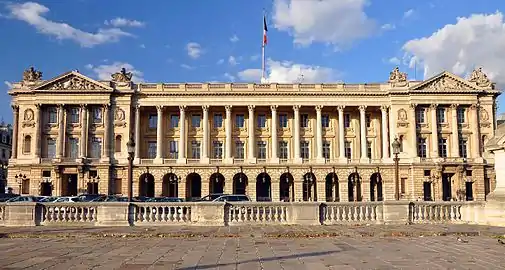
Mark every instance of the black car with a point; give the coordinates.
(6, 196)
(164, 199)
(90, 197)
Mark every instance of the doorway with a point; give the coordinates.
(69, 185)
(46, 189)
(446, 187)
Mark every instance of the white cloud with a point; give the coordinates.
(388, 26)
(9, 85)
(232, 60)
(333, 22)
(408, 13)
(220, 61)
(394, 60)
(122, 22)
(474, 41)
(194, 50)
(288, 72)
(229, 77)
(188, 67)
(103, 72)
(255, 57)
(33, 14)
(143, 46)
(234, 38)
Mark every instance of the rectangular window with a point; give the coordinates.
(262, 150)
(195, 150)
(97, 115)
(463, 148)
(96, 147)
(461, 115)
(153, 121)
(118, 186)
(239, 150)
(151, 150)
(262, 121)
(403, 185)
(368, 120)
(52, 115)
(326, 149)
(442, 147)
(304, 150)
(174, 121)
(283, 120)
(217, 147)
(239, 120)
(421, 147)
(369, 150)
(348, 150)
(283, 150)
(173, 149)
(195, 120)
(305, 120)
(51, 148)
(74, 115)
(325, 120)
(440, 114)
(420, 113)
(347, 120)
(218, 120)
(73, 148)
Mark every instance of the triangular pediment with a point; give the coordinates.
(445, 81)
(73, 80)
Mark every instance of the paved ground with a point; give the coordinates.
(287, 247)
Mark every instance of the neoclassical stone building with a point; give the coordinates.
(324, 142)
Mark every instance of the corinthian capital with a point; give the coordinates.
(205, 108)
(182, 108)
(251, 107)
(433, 106)
(296, 107)
(341, 107)
(362, 108)
(273, 108)
(228, 108)
(384, 108)
(159, 107)
(319, 107)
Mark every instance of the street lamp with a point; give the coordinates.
(92, 181)
(19, 179)
(396, 150)
(130, 147)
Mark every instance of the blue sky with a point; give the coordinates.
(220, 40)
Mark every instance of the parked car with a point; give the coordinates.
(6, 196)
(114, 198)
(24, 199)
(226, 198)
(164, 199)
(90, 197)
(48, 199)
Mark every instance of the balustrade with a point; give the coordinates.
(435, 212)
(68, 213)
(352, 212)
(258, 213)
(161, 213)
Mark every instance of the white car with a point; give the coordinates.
(63, 200)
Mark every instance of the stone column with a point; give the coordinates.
(296, 135)
(38, 127)
(228, 131)
(107, 131)
(84, 130)
(454, 131)
(475, 142)
(413, 130)
(182, 134)
(61, 131)
(362, 133)
(250, 129)
(434, 131)
(159, 136)
(204, 157)
(137, 134)
(319, 135)
(15, 110)
(385, 135)
(341, 134)
(275, 156)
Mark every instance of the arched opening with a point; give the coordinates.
(446, 187)
(263, 187)
(331, 188)
(309, 187)
(27, 144)
(239, 183)
(354, 187)
(193, 187)
(46, 189)
(216, 183)
(286, 190)
(92, 188)
(117, 144)
(376, 188)
(170, 185)
(469, 190)
(146, 185)
(427, 191)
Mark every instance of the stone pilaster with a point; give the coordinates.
(107, 133)
(413, 131)
(475, 139)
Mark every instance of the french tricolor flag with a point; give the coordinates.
(265, 30)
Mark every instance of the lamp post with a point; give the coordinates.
(130, 146)
(396, 150)
(92, 181)
(19, 179)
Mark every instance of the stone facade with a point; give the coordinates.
(324, 142)
(5, 152)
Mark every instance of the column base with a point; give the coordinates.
(297, 160)
(252, 160)
(364, 161)
(478, 160)
(274, 160)
(182, 161)
(342, 160)
(320, 160)
(136, 161)
(204, 160)
(158, 160)
(36, 160)
(105, 160)
(228, 160)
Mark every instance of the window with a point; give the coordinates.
(153, 121)
(195, 120)
(51, 148)
(173, 150)
(461, 115)
(283, 120)
(400, 139)
(403, 185)
(46, 173)
(52, 115)
(25, 186)
(96, 147)
(283, 150)
(97, 115)
(218, 120)
(117, 144)
(4, 138)
(326, 150)
(347, 120)
(4, 154)
(195, 149)
(239, 150)
(262, 120)
(151, 150)
(369, 150)
(441, 114)
(239, 120)
(74, 115)
(442, 147)
(483, 142)
(118, 187)
(420, 112)
(304, 149)
(325, 121)
(305, 120)
(73, 145)
(217, 149)
(262, 150)
(463, 148)
(368, 120)
(27, 144)
(421, 147)
(174, 121)
(348, 150)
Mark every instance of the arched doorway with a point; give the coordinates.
(193, 187)
(216, 183)
(309, 187)
(354, 187)
(263, 187)
(46, 189)
(376, 188)
(239, 183)
(286, 190)
(331, 188)
(146, 185)
(170, 185)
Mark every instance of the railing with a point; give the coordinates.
(161, 213)
(68, 213)
(258, 213)
(435, 212)
(352, 212)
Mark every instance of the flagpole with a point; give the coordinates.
(263, 78)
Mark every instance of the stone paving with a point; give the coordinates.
(275, 247)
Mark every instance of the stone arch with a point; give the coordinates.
(216, 183)
(170, 185)
(286, 187)
(376, 187)
(332, 190)
(309, 187)
(240, 183)
(263, 187)
(354, 187)
(146, 185)
(193, 186)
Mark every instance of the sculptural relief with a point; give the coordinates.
(119, 118)
(402, 118)
(28, 118)
(32, 75)
(74, 83)
(445, 83)
(397, 78)
(122, 76)
(479, 78)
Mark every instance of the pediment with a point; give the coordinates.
(73, 81)
(445, 81)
